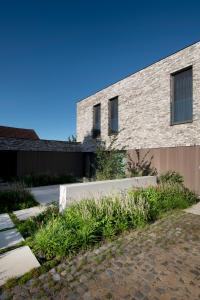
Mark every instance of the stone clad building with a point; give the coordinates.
(156, 109)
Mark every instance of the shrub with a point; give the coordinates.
(171, 177)
(16, 198)
(141, 166)
(44, 179)
(110, 162)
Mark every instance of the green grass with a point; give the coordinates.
(16, 198)
(89, 222)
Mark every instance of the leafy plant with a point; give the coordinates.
(141, 166)
(110, 163)
(16, 198)
(171, 177)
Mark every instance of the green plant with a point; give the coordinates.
(110, 163)
(16, 198)
(166, 197)
(71, 139)
(88, 222)
(44, 179)
(30, 226)
(171, 177)
(140, 166)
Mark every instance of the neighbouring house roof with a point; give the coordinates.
(16, 144)
(22, 133)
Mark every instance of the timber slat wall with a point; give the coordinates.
(185, 160)
(58, 163)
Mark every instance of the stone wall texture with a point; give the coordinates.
(144, 107)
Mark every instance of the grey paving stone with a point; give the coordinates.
(16, 262)
(194, 209)
(5, 222)
(46, 194)
(24, 214)
(9, 238)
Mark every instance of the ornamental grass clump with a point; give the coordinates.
(88, 222)
(17, 197)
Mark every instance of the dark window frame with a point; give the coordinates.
(172, 76)
(110, 130)
(96, 133)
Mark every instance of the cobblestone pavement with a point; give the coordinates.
(160, 262)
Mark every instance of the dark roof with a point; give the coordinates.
(22, 133)
(15, 144)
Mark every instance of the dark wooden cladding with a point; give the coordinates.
(58, 163)
(185, 160)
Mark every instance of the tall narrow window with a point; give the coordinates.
(181, 110)
(113, 116)
(97, 121)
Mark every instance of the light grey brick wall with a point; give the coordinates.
(144, 106)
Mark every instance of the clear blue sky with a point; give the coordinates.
(53, 53)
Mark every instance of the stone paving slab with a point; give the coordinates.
(9, 238)
(46, 194)
(16, 263)
(24, 214)
(194, 209)
(5, 221)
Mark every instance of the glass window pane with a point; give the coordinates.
(182, 100)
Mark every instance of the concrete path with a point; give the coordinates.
(9, 238)
(195, 209)
(5, 222)
(16, 263)
(46, 194)
(24, 214)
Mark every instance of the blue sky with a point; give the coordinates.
(53, 53)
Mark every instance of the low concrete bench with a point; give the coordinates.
(70, 193)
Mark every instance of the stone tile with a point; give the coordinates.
(16, 263)
(46, 194)
(5, 222)
(194, 209)
(24, 214)
(9, 238)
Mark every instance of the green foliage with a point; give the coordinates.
(16, 198)
(171, 177)
(71, 139)
(44, 179)
(30, 226)
(140, 166)
(166, 197)
(110, 162)
(87, 223)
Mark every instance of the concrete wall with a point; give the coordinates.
(144, 106)
(70, 193)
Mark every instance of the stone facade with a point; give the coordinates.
(144, 106)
